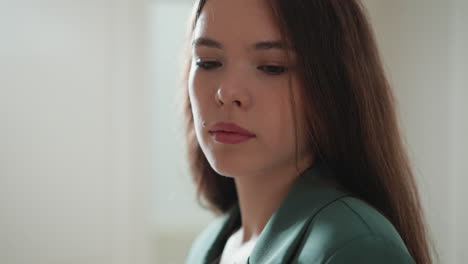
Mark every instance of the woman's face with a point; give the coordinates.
(239, 74)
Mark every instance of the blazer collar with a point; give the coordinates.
(312, 191)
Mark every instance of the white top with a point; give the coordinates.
(236, 252)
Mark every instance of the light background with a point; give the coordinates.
(92, 165)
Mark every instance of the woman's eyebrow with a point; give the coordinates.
(262, 45)
(270, 44)
(206, 42)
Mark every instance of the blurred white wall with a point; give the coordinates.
(92, 165)
(73, 174)
(460, 131)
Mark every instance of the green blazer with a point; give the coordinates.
(318, 222)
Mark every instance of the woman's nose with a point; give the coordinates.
(233, 93)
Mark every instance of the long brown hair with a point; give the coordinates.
(350, 118)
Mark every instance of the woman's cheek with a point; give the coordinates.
(201, 99)
(203, 87)
(195, 102)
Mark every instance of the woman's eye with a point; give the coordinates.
(272, 69)
(208, 65)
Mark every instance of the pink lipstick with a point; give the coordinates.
(230, 133)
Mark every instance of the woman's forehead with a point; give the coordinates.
(228, 20)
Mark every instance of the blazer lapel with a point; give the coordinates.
(219, 233)
(284, 231)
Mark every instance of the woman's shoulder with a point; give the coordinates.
(350, 229)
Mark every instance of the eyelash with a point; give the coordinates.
(276, 70)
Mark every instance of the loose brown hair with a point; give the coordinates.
(350, 118)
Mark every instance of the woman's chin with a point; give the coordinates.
(231, 167)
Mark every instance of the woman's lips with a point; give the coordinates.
(229, 137)
(230, 133)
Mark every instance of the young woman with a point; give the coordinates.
(293, 138)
